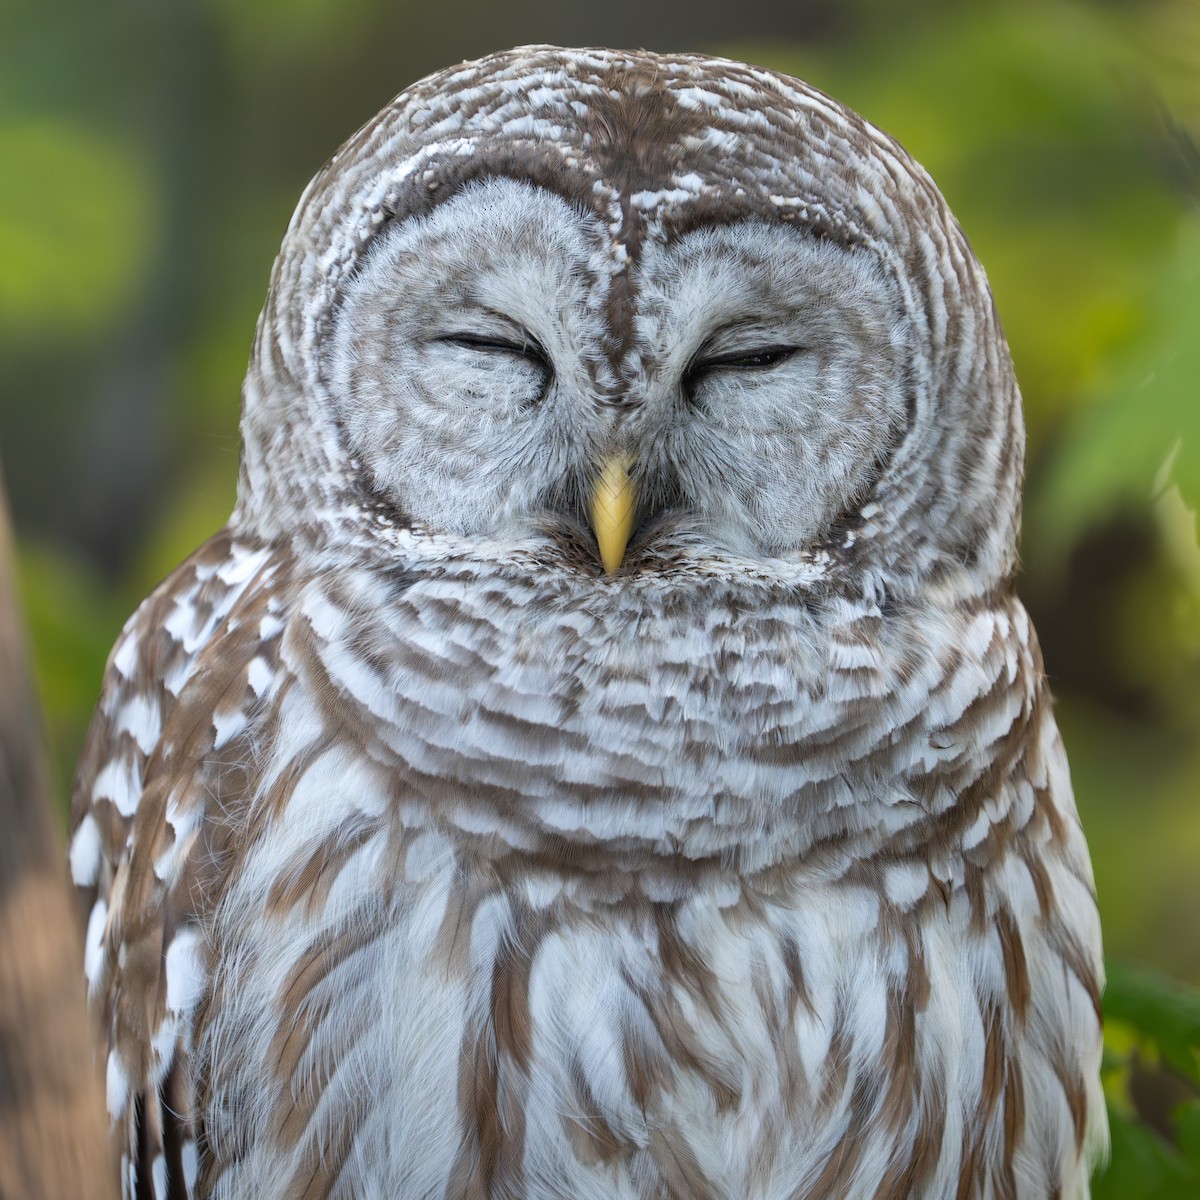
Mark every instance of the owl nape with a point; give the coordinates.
(604, 754)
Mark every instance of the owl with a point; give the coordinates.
(604, 756)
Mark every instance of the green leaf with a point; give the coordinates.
(1143, 1166)
(1187, 1126)
(1166, 1011)
(1148, 419)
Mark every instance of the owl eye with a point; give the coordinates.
(527, 347)
(501, 364)
(761, 358)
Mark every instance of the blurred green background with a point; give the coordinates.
(151, 154)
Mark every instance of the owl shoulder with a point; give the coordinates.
(177, 697)
(175, 692)
(164, 650)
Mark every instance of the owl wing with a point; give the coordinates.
(167, 746)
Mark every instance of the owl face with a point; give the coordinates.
(752, 383)
(699, 290)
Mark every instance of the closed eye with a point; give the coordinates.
(761, 358)
(528, 347)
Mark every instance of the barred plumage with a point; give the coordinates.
(431, 859)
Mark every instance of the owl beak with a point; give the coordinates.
(611, 508)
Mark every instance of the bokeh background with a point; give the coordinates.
(150, 157)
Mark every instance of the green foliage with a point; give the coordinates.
(1152, 1050)
(74, 209)
(1145, 421)
(295, 25)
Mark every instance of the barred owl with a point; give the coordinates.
(604, 755)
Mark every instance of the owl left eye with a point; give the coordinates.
(760, 358)
(749, 360)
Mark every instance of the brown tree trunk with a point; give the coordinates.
(53, 1128)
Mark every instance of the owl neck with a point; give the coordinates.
(711, 725)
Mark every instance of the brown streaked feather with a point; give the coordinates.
(181, 767)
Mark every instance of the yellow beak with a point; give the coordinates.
(611, 508)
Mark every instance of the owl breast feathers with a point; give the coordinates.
(603, 756)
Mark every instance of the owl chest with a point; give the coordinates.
(443, 1010)
(451, 1033)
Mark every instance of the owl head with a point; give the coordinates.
(620, 313)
